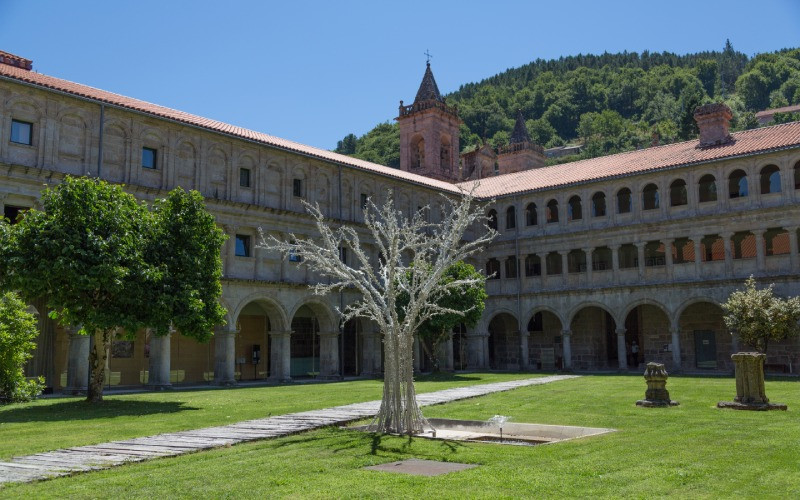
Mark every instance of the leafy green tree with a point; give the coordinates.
(748, 121)
(758, 316)
(85, 254)
(184, 253)
(380, 145)
(708, 73)
(18, 328)
(467, 306)
(347, 146)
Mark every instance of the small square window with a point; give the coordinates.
(21, 132)
(244, 177)
(242, 245)
(297, 188)
(149, 158)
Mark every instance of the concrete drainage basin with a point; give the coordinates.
(512, 433)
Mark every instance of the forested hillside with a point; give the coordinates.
(608, 102)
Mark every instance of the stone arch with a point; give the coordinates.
(416, 152)
(504, 340)
(694, 300)
(20, 102)
(647, 328)
(325, 314)
(589, 303)
(217, 172)
(314, 340)
(116, 138)
(544, 340)
(255, 318)
(72, 137)
(704, 339)
(542, 308)
(593, 328)
(153, 135)
(186, 158)
(279, 319)
(640, 302)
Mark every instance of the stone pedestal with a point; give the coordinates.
(77, 364)
(656, 395)
(159, 362)
(750, 394)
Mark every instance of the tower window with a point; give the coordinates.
(297, 188)
(149, 158)
(244, 177)
(21, 132)
(242, 245)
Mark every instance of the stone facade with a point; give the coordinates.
(575, 286)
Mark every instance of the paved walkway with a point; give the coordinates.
(103, 456)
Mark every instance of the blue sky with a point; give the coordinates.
(315, 71)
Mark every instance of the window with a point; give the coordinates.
(294, 256)
(553, 263)
(712, 248)
(492, 219)
(12, 213)
(744, 245)
(650, 198)
(149, 158)
(242, 245)
(776, 242)
(536, 324)
(770, 180)
(737, 184)
(797, 175)
(511, 267)
(364, 200)
(530, 215)
(244, 177)
(707, 189)
(601, 259)
(624, 201)
(682, 251)
(343, 254)
(551, 213)
(599, 205)
(576, 261)
(297, 188)
(654, 254)
(21, 132)
(574, 209)
(511, 218)
(493, 269)
(678, 196)
(628, 256)
(533, 266)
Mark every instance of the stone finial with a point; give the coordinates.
(656, 395)
(713, 120)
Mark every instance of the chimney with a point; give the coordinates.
(713, 120)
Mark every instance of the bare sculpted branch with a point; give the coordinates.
(411, 255)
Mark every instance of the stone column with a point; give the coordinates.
(750, 378)
(524, 353)
(447, 355)
(794, 258)
(588, 251)
(726, 241)
(77, 363)
(280, 356)
(622, 350)
(417, 354)
(474, 351)
(640, 256)
(329, 356)
(159, 363)
(567, 348)
(668, 257)
(675, 332)
(615, 263)
(485, 361)
(371, 353)
(698, 258)
(225, 357)
(761, 262)
(231, 230)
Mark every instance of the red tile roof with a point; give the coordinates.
(672, 155)
(85, 91)
(760, 140)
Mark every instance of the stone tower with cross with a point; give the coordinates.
(429, 131)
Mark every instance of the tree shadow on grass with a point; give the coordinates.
(81, 410)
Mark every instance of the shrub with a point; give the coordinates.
(17, 330)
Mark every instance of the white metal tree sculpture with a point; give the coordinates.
(412, 256)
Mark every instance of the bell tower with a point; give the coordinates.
(429, 131)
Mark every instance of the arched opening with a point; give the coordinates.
(705, 341)
(744, 245)
(628, 256)
(511, 267)
(511, 218)
(551, 214)
(654, 254)
(650, 197)
(533, 266)
(770, 179)
(707, 189)
(601, 259)
(624, 201)
(594, 339)
(445, 157)
(647, 336)
(305, 352)
(545, 348)
(493, 269)
(712, 248)
(678, 196)
(553, 263)
(352, 347)
(599, 204)
(255, 321)
(776, 242)
(531, 218)
(491, 219)
(576, 261)
(682, 251)
(574, 209)
(417, 152)
(737, 184)
(797, 175)
(504, 342)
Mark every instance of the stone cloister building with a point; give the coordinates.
(592, 256)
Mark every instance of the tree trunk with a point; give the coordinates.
(97, 363)
(399, 412)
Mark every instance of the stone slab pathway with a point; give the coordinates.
(105, 455)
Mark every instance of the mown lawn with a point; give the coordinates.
(49, 424)
(691, 451)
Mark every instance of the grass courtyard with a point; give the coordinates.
(693, 450)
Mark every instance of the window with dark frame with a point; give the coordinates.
(364, 200)
(21, 132)
(149, 158)
(343, 254)
(244, 177)
(242, 245)
(297, 188)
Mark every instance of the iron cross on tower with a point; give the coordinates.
(428, 55)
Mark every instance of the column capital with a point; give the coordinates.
(333, 333)
(727, 234)
(588, 250)
(640, 244)
(279, 332)
(758, 232)
(621, 331)
(566, 332)
(563, 253)
(667, 241)
(615, 247)
(225, 330)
